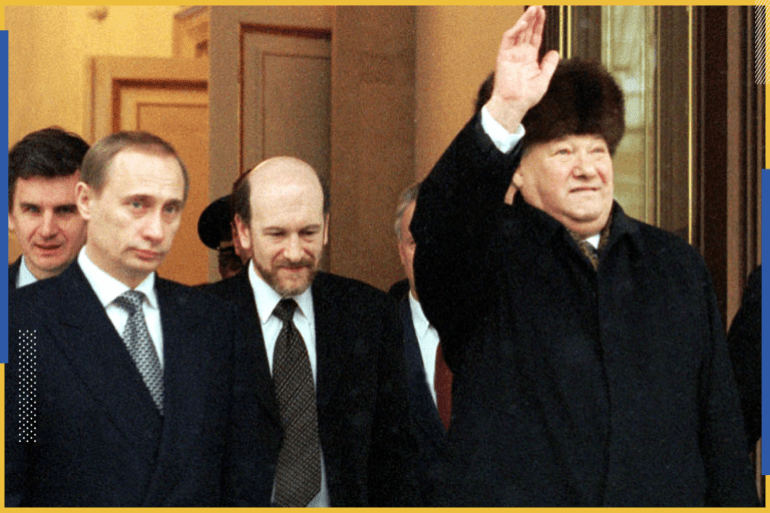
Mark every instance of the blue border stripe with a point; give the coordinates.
(765, 333)
(4, 195)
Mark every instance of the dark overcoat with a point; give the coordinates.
(573, 387)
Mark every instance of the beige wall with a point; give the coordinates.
(456, 50)
(49, 47)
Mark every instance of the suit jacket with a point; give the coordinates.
(367, 443)
(429, 429)
(97, 438)
(399, 290)
(13, 274)
(572, 386)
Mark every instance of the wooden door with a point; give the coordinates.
(168, 97)
(333, 86)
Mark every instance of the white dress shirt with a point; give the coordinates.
(25, 276)
(501, 137)
(108, 289)
(427, 339)
(266, 300)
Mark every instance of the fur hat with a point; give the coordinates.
(582, 98)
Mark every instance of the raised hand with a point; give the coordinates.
(520, 80)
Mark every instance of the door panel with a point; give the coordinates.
(169, 98)
(286, 99)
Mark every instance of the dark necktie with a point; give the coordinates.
(590, 252)
(298, 473)
(139, 344)
(442, 382)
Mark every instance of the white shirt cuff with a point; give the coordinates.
(502, 138)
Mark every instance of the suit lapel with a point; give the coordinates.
(13, 274)
(331, 328)
(420, 400)
(187, 381)
(99, 357)
(241, 293)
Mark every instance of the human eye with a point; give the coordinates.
(137, 205)
(31, 209)
(172, 208)
(275, 233)
(66, 210)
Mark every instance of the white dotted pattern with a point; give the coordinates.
(27, 386)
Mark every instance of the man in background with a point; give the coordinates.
(215, 229)
(43, 169)
(429, 379)
(744, 341)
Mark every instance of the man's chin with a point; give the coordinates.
(145, 267)
(48, 266)
(292, 289)
(288, 287)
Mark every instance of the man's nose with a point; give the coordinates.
(153, 227)
(49, 227)
(293, 250)
(585, 165)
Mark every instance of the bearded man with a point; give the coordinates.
(331, 356)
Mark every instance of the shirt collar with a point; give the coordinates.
(25, 276)
(420, 322)
(620, 225)
(107, 288)
(266, 298)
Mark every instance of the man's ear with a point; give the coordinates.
(83, 196)
(518, 179)
(244, 235)
(402, 253)
(326, 229)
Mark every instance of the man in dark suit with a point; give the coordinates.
(744, 341)
(428, 378)
(342, 335)
(590, 365)
(43, 169)
(124, 389)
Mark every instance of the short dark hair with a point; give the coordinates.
(407, 197)
(48, 153)
(240, 199)
(100, 156)
(240, 205)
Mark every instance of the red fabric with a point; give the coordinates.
(442, 383)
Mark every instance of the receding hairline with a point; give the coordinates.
(283, 164)
(280, 170)
(153, 150)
